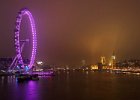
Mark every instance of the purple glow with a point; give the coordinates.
(49, 73)
(17, 40)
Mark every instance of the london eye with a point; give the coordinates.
(19, 44)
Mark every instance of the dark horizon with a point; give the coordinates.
(70, 31)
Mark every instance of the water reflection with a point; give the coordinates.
(73, 86)
(27, 90)
(7, 80)
(32, 91)
(11, 89)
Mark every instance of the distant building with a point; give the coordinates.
(103, 60)
(112, 62)
(94, 67)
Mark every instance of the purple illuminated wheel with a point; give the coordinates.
(17, 39)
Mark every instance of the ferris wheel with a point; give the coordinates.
(19, 44)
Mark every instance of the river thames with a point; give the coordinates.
(73, 86)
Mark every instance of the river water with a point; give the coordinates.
(73, 86)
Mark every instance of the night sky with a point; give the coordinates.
(69, 31)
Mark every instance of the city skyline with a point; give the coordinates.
(70, 31)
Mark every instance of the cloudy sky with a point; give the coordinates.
(69, 31)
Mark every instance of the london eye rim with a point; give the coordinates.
(21, 13)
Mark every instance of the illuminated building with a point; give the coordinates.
(39, 62)
(112, 62)
(103, 61)
(94, 67)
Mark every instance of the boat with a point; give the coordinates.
(27, 77)
(34, 77)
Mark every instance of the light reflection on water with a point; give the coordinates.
(31, 90)
(18, 91)
(73, 86)
(7, 80)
